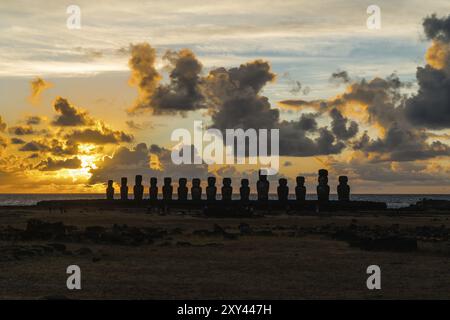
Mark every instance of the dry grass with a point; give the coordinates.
(280, 266)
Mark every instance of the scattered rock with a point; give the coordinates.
(58, 246)
(83, 251)
(245, 229)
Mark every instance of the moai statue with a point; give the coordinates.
(244, 190)
(138, 189)
(196, 190)
(182, 189)
(123, 189)
(283, 190)
(211, 189)
(110, 190)
(227, 189)
(323, 189)
(300, 189)
(153, 191)
(262, 187)
(167, 189)
(343, 189)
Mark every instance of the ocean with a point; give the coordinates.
(392, 200)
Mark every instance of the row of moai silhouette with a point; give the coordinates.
(262, 187)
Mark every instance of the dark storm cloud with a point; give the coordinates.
(382, 97)
(295, 142)
(342, 127)
(437, 28)
(53, 165)
(69, 115)
(240, 104)
(183, 92)
(401, 144)
(308, 122)
(430, 107)
(236, 93)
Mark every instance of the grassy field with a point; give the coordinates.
(188, 256)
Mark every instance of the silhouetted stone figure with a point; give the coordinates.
(153, 191)
(138, 189)
(167, 189)
(211, 189)
(182, 189)
(343, 189)
(110, 190)
(262, 187)
(227, 189)
(244, 190)
(196, 190)
(123, 189)
(282, 190)
(300, 189)
(323, 189)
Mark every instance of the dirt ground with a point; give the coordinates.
(188, 256)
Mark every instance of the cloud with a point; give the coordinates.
(183, 92)
(139, 126)
(236, 96)
(287, 164)
(308, 122)
(395, 173)
(340, 77)
(17, 141)
(295, 142)
(339, 126)
(149, 162)
(240, 104)
(100, 136)
(3, 125)
(89, 53)
(34, 120)
(69, 115)
(3, 142)
(54, 165)
(53, 146)
(437, 28)
(143, 74)
(38, 86)
(401, 144)
(34, 146)
(430, 107)
(234, 100)
(21, 130)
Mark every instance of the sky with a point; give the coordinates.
(79, 106)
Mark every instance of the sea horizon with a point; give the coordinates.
(393, 201)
